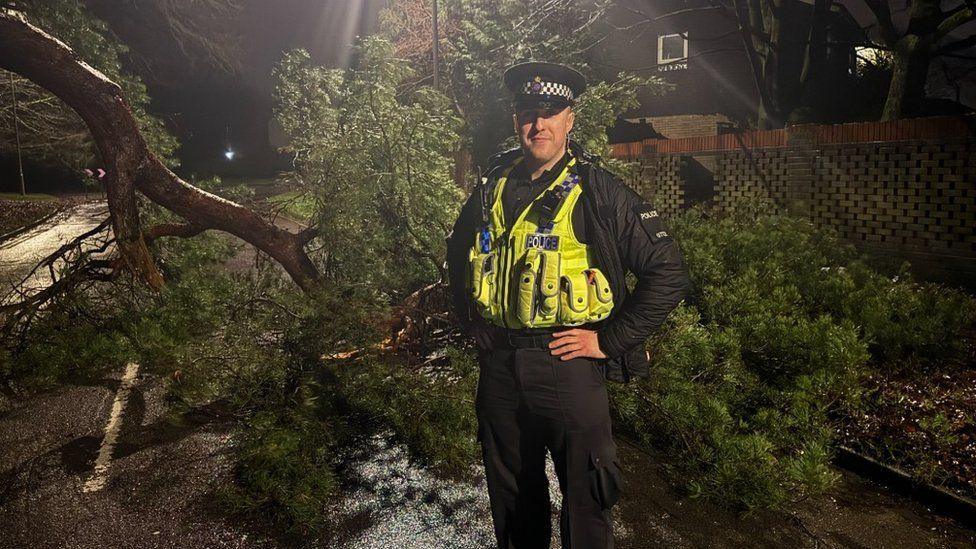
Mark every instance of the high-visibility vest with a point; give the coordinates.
(534, 274)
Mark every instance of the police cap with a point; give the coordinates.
(542, 84)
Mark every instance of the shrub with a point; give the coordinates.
(781, 326)
(285, 463)
(429, 408)
(747, 433)
(900, 318)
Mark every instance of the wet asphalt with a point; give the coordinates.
(163, 478)
(18, 255)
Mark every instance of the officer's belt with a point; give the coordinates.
(512, 339)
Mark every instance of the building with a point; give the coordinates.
(697, 48)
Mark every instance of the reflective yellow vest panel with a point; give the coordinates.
(532, 278)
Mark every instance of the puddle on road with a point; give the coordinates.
(400, 504)
(397, 503)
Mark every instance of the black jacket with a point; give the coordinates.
(625, 234)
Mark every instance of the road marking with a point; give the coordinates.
(100, 474)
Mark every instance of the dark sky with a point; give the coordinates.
(209, 106)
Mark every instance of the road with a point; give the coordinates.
(161, 488)
(20, 254)
(156, 484)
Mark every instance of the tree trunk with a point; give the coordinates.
(129, 163)
(757, 23)
(771, 113)
(913, 55)
(908, 76)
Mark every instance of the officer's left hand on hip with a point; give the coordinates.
(576, 343)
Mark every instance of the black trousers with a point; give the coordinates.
(529, 401)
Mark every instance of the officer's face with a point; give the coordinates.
(543, 131)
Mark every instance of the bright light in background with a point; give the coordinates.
(337, 29)
(229, 154)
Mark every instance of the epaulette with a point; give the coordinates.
(581, 153)
(501, 159)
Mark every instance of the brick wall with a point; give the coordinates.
(761, 174)
(659, 182)
(684, 125)
(903, 189)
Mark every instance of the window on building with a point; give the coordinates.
(672, 48)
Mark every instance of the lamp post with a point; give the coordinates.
(20, 162)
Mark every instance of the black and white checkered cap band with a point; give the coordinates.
(551, 88)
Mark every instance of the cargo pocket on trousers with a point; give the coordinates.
(605, 476)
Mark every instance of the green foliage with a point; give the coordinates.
(50, 130)
(378, 164)
(63, 344)
(98, 327)
(285, 465)
(430, 409)
(295, 204)
(744, 439)
(263, 362)
(752, 259)
(598, 109)
(901, 318)
(484, 37)
(244, 344)
(747, 378)
(481, 38)
(782, 325)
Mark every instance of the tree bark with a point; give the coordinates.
(129, 163)
(909, 73)
(914, 50)
(759, 30)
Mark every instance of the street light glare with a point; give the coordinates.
(229, 154)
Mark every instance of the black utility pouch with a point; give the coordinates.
(633, 363)
(605, 477)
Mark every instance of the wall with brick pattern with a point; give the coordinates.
(660, 183)
(684, 125)
(905, 190)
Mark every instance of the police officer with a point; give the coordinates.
(537, 262)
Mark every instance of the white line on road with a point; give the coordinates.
(104, 459)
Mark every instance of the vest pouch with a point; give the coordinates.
(527, 286)
(484, 269)
(600, 297)
(549, 286)
(573, 299)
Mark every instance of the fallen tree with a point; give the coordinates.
(131, 165)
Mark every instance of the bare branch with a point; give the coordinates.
(882, 13)
(182, 230)
(954, 21)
